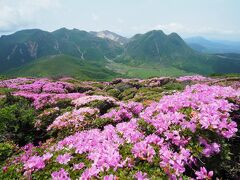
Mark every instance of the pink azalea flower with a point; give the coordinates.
(141, 176)
(34, 163)
(203, 174)
(78, 166)
(47, 156)
(60, 175)
(64, 159)
(110, 177)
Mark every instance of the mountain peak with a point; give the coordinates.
(156, 32)
(106, 34)
(156, 46)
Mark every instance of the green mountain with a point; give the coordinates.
(156, 47)
(24, 46)
(158, 50)
(85, 45)
(63, 65)
(104, 55)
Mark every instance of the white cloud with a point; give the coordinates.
(180, 28)
(16, 14)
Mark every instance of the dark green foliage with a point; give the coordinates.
(100, 123)
(6, 150)
(3, 91)
(64, 103)
(103, 106)
(17, 120)
(173, 86)
(114, 93)
(146, 93)
(146, 127)
(128, 94)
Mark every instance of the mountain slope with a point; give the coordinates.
(140, 56)
(63, 65)
(86, 45)
(159, 50)
(157, 47)
(24, 46)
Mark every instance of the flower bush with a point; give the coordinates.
(173, 138)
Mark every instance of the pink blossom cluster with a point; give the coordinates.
(101, 147)
(198, 108)
(37, 85)
(141, 176)
(72, 119)
(110, 177)
(208, 105)
(42, 91)
(60, 175)
(209, 149)
(64, 159)
(203, 174)
(87, 99)
(198, 78)
(124, 112)
(35, 163)
(15, 83)
(43, 99)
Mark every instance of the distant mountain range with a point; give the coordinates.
(36, 52)
(213, 46)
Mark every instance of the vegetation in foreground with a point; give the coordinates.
(185, 127)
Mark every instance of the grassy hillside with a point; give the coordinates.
(145, 71)
(64, 65)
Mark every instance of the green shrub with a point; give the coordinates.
(114, 92)
(173, 86)
(100, 123)
(103, 106)
(6, 150)
(17, 120)
(128, 94)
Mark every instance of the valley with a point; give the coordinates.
(31, 52)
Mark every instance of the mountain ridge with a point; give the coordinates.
(204, 45)
(151, 50)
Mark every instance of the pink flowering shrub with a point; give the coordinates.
(124, 112)
(170, 139)
(203, 174)
(41, 100)
(72, 119)
(87, 99)
(64, 159)
(198, 78)
(41, 92)
(60, 175)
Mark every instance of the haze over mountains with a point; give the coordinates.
(213, 46)
(32, 53)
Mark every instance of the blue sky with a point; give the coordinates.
(218, 19)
